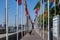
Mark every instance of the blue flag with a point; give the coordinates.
(44, 2)
(52, 4)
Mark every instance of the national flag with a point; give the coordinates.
(36, 11)
(19, 2)
(29, 17)
(26, 11)
(26, 8)
(44, 1)
(29, 22)
(37, 7)
(52, 4)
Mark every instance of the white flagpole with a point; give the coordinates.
(55, 11)
(55, 6)
(40, 18)
(6, 19)
(22, 23)
(43, 19)
(17, 18)
(48, 21)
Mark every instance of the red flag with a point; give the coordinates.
(36, 11)
(53, 0)
(19, 2)
(26, 8)
(26, 11)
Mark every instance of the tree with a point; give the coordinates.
(52, 13)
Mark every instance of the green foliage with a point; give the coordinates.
(40, 20)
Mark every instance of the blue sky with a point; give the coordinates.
(12, 11)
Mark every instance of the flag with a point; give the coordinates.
(52, 4)
(26, 8)
(44, 1)
(37, 7)
(19, 2)
(36, 11)
(26, 11)
(29, 22)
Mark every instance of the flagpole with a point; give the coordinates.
(55, 6)
(48, 21)
(40, 19)
(22, 24)
(43, 19)
(17, 18)
(6, 19)
(55, 10)
(26, 13)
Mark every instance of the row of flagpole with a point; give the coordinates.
(17, 20)
(48, 19)
(43, 20)
(7, 19)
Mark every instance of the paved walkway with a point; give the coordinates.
(36, 36)
(45, 34)
(54, 38)
(33, 36)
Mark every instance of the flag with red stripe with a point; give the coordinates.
(36, 11)
(37, 7)
(19, 2)
(26, 10)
